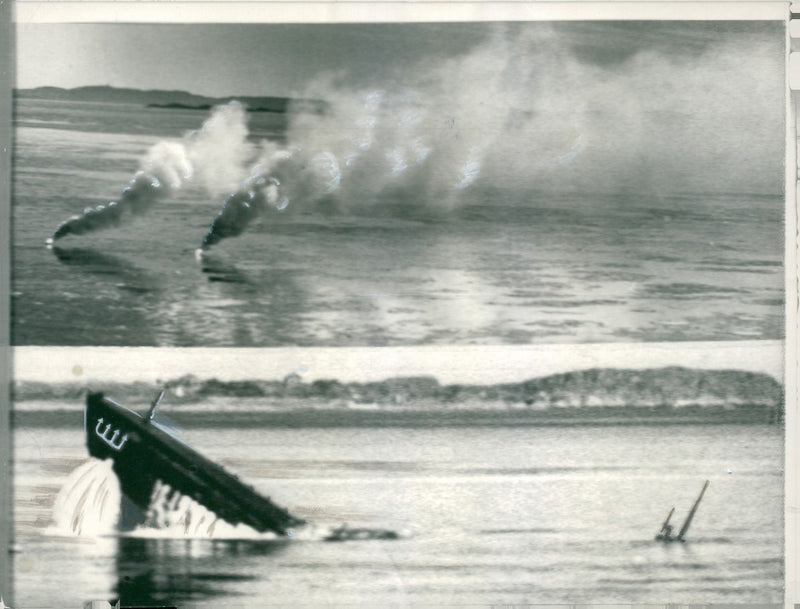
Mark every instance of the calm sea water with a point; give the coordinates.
(504, 265)
(486, 515)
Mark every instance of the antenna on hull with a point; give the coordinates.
(151, 413)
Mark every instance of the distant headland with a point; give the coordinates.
(171, 100)
(672, 395)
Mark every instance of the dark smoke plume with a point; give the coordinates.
(242, 207)
(136, 199)
(213, 156)
(237, 212)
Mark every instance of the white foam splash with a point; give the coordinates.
(88, 504)
(172, 514)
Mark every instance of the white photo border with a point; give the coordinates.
(258, 11)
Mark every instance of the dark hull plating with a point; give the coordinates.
(143, 453)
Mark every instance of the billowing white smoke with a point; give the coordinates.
(523, 110)
(432, 134)
(216, 157)
(168, 163)
(531, 108)
(421, 142)
(219, 152)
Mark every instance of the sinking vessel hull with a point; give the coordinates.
(143, 454)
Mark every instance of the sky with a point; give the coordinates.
(220, 60)
(258, 59)
(652, 106)
(457, 364)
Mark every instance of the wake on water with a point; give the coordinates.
(89, 505)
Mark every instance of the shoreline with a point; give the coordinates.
(416, 419)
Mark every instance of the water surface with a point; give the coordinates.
(486, 514)
(504, 264)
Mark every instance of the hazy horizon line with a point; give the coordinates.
(476, 364)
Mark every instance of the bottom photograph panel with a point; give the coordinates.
(572, 474)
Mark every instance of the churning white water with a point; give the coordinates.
(172, 514)
(89, 502)
(88, 505)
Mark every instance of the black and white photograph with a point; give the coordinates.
(398, 184)
(578, 477)
(399, 313)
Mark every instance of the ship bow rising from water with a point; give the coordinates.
(144, 454)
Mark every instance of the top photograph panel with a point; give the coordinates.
(398, 184)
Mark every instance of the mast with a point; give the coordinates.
(686, 524)
(666, 522)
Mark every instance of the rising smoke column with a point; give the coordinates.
(421, 137)
(213, 156)
(302, 178)
(164, 169)
(242, 207)
(364, 142)
(520, 112)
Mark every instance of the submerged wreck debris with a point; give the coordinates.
(665, 534)
(144, 454)
(346, 533)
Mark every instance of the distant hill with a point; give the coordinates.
(672, 387)
(601, 396)
(169, 99)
